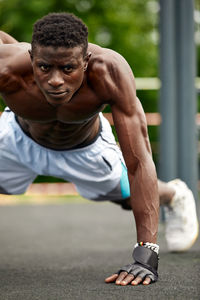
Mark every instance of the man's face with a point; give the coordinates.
(58, 72)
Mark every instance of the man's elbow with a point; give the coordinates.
(142, 165)
(5, 78)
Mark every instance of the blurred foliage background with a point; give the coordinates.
(130, 27)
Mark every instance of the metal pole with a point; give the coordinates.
(168, 134)
(186, 94)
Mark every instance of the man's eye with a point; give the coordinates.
(44, 68)
(68, 68)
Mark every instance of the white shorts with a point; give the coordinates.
(97, 170)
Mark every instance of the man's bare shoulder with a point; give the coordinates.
(14, 64)
(108, 70)
(15, 49)
(104, 57)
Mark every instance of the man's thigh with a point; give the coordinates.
(15, 176)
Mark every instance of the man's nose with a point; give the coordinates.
(56, 79)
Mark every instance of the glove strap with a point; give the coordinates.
(147, 258)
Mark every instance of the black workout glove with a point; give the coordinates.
(145, 265)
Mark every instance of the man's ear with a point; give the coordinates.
(31, 54)
(87, 57)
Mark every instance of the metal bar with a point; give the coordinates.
(186, 94)
(168, 135)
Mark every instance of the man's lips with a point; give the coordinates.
(57, 98)
(57, 94)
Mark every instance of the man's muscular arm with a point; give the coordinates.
(131, 127)
(133, 138)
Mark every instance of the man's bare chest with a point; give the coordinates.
(30, 104)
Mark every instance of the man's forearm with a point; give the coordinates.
(145, 202)
(5, 38)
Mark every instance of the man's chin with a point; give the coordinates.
(58, 102)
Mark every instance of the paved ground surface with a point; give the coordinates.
(55, 252)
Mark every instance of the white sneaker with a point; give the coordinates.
(181, 218)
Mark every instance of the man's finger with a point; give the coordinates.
(127, 279)
(137, 280)
(121, 277)
(147, 281)
(111, 278)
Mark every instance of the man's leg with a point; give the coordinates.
(166, 194)
(15, 175)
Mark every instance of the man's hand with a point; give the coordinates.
(143, 270)
(124, 278)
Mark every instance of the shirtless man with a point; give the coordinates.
(55, 90)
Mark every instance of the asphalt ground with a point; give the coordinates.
(64, 251)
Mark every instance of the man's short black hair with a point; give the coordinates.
(60, 30)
